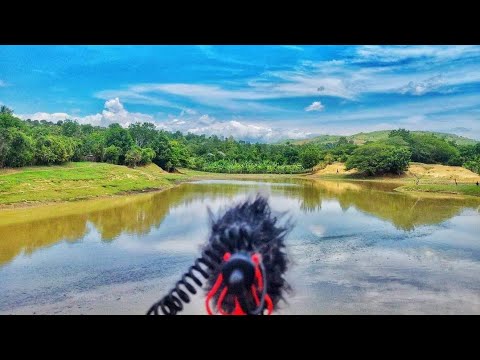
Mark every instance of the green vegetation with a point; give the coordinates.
(362, 138)
(379, 159)
(79, 180)
(460, 189)
(26, 143)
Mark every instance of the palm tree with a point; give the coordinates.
(5, 110)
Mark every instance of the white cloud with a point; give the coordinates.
(114, 105)
(114, 112)
(216, 96)
(54, 117)
(423, 87)
(347, 79)
(293, 47)
(242, 130)
(315, 106)
(206, 119)
(400, 52)
(134, 97)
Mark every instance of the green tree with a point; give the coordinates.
(309, 157)
(378, 159)
(6, 110)
(120, 138)
(94, 144)
(112, 154)
(7, 120)
(329, 158)
(473, 165)
(147, 156)
(133, 156)
(4, 145)
(402, 133)
(142, 134)
(20, 150)
(53, 149)
(432, 150)
(71, 128)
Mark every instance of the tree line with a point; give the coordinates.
(33, 142)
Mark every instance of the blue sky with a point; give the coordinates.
(256, 93)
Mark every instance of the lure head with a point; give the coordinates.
(255, 257)
(238, 272)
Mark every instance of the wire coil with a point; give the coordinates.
(210, 259)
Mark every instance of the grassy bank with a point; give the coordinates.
(85, 180)
(460, 189)
(81, 180)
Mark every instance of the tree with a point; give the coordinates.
(120, 138)
(71, 128)
(4, 144)
(329, 158)
(147, 156)
(20, 149)
(378, 159)
(473, 165)
(142, 134)
(133, 156)
(7, 120)
(112, 154)
(6, 110)
(94, 144)
(309, 158)
(431, 149)
(404, 134)
(53, 149)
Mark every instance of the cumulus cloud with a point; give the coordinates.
(114, 112)
(242, 130)
(206, 119)
(315, 106)
(54, 117)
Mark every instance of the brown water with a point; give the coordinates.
(357, 247)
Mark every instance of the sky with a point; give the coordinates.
(254, 93)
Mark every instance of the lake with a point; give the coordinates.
(357, 248)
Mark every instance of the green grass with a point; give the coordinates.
(460, 189)
(81, 180)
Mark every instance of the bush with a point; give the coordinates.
(20, 150)
(309, 158)
(133, 156)
(147, 156)
(377, 159)
(430, 149)
(473, 165)
(53, 150)
(112, 154)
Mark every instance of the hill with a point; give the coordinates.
(362, 137)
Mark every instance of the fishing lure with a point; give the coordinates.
(244, 261)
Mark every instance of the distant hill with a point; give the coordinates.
(361, 138)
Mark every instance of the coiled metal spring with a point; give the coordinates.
(210, 259)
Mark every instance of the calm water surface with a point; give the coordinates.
(356, 248)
